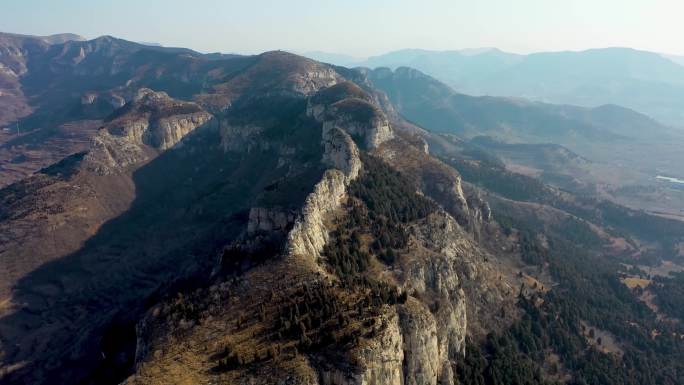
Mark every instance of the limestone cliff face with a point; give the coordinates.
(421, 346)
(431, 327)
(381, 359)
(340, 152)
(150, 123)
(413, 348)
(479, 210)
(309, 233)
(314, 79)
(168, 131)
(434, 329)
(465, 271)
(347, 107)
(109, 154)
(373, 126)
(161, 121)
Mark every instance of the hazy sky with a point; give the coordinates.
(360, 27)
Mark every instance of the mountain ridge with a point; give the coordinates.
(271, 219)
(592, 77)
(127, 158)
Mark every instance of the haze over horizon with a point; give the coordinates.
(300, 26)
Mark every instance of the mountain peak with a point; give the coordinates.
(61, 38)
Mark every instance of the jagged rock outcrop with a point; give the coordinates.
(161, 121)
(479, 210)
(309, 234)
(168, 131)
(340, 152)
(111, 153)
(150, 123)
(430, 341)
(347, 106)
(432, 270)
(362, 119)
(421, 347)
(318, 104)
(381, 360)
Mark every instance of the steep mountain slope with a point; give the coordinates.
(53, 95)
(626, 150)
(432, 104)
(591, 324)
(168, 193)
(456, 68)
(14, 50)
(285, 329)
(272, 219)
(644, 81)
(59, 238)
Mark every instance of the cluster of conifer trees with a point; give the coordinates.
(316, 317)
(382, 202)
(669, 293)
(588, 290)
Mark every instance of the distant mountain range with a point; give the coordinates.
(435, 106)
(623, 147)
(648, 82)
(59, 38)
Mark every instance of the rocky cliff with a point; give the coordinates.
(416, 341)
(151, 123)
(262, 243)
(345, 105)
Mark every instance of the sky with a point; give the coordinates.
(360, 28)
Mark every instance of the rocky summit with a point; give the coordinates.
(270, 219)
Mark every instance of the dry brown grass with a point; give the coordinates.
(634, 282)
(19, 160)
(532, 283)
(609, 343)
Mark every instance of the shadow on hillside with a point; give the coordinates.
(79, 311)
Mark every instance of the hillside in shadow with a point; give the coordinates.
(78, 313)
